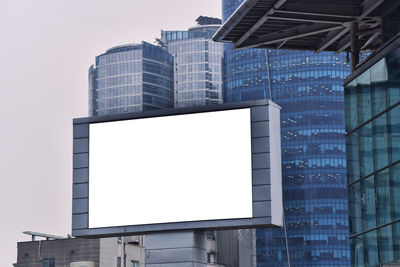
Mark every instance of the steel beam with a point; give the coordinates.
(307, 20)
(260, 22)
(336, 35)
(371, 40)
(315, 14)
(368, 6)
(291, 33)
(355, 46)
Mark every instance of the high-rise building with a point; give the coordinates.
(131, 78)
(245, 71)
(198, 63)
(309, 88)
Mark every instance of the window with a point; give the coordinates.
(134, 264)
(211, 257)
(49, 262)
(118, 261)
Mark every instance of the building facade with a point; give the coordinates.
(245, 71)
(372, 98)
(99, 252)
(131, 78)
(309, 88)
(198, 63)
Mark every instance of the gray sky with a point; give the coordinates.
(46, 49)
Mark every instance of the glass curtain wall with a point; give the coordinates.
(245, 71)
(131, 78)
(198, 65)
(309, 88)
(373, 153)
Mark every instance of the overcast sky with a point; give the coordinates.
(46, 48)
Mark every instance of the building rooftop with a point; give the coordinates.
(122, 48)
(306, 25)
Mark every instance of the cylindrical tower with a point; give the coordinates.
(131, 78)
(245, 71)
(309, 88)
(198, 64)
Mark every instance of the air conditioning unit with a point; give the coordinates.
(82, 264)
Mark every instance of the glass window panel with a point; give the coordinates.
(368, 203)
(380, 137)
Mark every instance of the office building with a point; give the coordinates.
(131, 78)
(309, 88)
(372, 98)
(245, 71)
(198, 63)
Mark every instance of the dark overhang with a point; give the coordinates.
(306, 24)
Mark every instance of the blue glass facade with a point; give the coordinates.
(245, 71)
(309, 88)
(198, 65)
(131, 78)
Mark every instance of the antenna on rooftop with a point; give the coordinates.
(47, 236)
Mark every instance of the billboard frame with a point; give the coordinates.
(267, 206)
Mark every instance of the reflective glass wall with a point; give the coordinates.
(245, 71)
(131, 78)
(373, 153)
(198, 65)
(309, 88)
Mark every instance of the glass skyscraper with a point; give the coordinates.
(245, 71)
(309, 88)
(198, 63)
(131, 78)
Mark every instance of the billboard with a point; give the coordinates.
(197, 168)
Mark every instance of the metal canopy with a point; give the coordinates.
(306, 24)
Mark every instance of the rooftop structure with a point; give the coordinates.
(342, 25)
(47, 236)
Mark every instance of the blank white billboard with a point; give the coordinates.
(180, 168)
